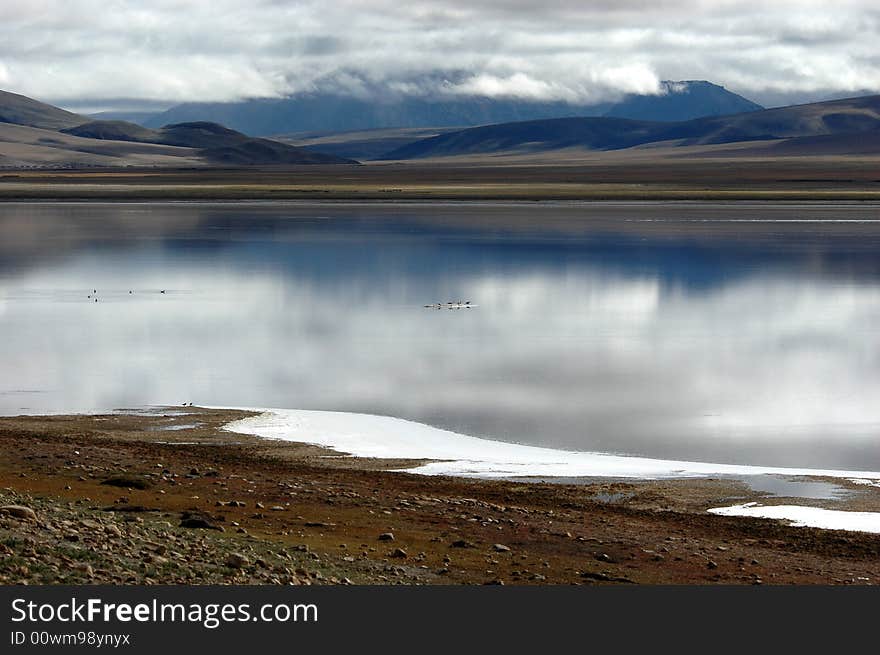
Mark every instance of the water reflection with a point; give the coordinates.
(753, 346)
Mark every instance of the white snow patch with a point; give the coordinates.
(870, 483)
(367, 435)
(814, 517)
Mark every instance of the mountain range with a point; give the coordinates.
(328, 112)
(835, 127)
(35, 134)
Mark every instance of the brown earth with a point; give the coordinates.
(110, 493)
(642, 175)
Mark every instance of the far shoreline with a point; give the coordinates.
(602, 178)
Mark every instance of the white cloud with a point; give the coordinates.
(559, 49)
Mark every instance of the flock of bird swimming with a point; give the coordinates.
(94, 294)
(451, 305)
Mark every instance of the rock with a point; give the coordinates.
(386, 536)
(604, 577)
(199, 524)
(604, 557)
(501, 548)
(399, 553)
(19, 512)
(236, 561)
(462, 543)
(711, 564)
(127, 482)
(277, 508)
(86, 569)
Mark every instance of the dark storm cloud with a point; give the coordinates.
(177, 50)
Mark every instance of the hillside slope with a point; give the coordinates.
(21, 110)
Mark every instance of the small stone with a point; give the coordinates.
(399, 553)
(462, 543)
(236, 561)
(501, 548)
(199, 524)
(386, 536)
(19, 512)
(711, 564)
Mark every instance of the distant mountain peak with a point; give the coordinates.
(682, 100)
(333, 112)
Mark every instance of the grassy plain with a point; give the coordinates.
(605, 176)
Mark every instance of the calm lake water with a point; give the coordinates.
(744, 333)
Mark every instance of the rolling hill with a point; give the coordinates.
(34, 134)
(361, 144)
(837, 121)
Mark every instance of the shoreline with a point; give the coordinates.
(644, 179)
(449, 453)
(313, 519)
(866, 196)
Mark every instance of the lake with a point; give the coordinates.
(741, 332)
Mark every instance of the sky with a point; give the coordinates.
(153, 53)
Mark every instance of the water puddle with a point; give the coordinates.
(176, 426)
(785, 487)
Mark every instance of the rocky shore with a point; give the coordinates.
(168, 497)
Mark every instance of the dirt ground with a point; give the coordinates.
(606, 176)
(122, 499)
